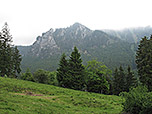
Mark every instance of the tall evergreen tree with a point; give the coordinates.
(5, 35)
(76, 70)
(16, 61)
(9, 62)
(140, 57)
(62, 72)
(130, 79)
(119, 81)
(116, 88)
(144, 61)
(5, 50)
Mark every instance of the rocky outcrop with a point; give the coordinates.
(47, 49)
(44, 43)
(64, 39)
(52, 41)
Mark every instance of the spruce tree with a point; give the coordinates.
(141, 56)
(119, 81)
(5, 35)
(9, 56)
(62, 72)
(116, 88)
(130, 79)
(5, 50)
(144, 61)
(76, 70)
(16, 61)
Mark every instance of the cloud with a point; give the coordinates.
(30, 18)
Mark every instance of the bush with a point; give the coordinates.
(41, 76)
(27, 76)
(52, 78)
(96, 83)
(137, 101)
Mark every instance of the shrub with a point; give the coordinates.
(52, 78)
(137, 101)
(41, 76)
(27, 76)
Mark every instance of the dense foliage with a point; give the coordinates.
(144, 61)
(76, 70)
(10, 58)
(131, 80)
(71, 73)
(27, 75)
(62, 75)
(138, 101)
(123, 81)
(98, 77)
(40, 76)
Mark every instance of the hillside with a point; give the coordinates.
(131, 35)
(23, 97)
(92, 44)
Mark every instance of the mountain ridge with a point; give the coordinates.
(102, 45)
(131, 35)
(67, 38)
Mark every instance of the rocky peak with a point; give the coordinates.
(65, 38)
(78, 26)
(44, 42)
(45, 37)
(48, 33)
(78, 30)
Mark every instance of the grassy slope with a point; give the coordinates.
(23, 97)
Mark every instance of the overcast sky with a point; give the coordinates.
(28, 19)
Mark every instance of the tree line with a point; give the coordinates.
(71, 73)
(94, 77)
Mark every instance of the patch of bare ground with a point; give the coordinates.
(29, 93)
(33, 94)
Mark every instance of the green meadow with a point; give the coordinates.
(25, 97)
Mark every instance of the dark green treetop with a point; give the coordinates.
(62, 72)
(76, 70)
(144, 61)
(9, 55)
(131, 81)
(119, 81)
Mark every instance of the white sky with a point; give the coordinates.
(28, 19)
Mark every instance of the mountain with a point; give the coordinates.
(47, 49)
(45, 45)
(131, 35)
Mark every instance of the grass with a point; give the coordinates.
(24, 97)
